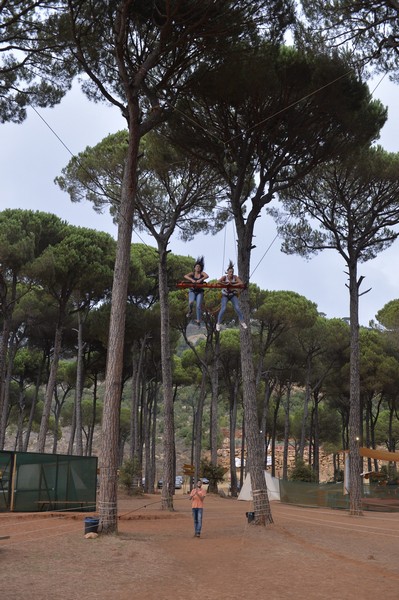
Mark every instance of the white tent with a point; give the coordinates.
(272, 484)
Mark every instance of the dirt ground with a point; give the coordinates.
(307, 553)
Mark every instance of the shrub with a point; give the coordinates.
(302, 472)
(130, 476)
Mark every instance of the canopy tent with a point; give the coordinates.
(379, 454)
(272, 484)
(367, 453)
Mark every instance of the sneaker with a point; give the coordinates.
(243, 325)
(217, 326)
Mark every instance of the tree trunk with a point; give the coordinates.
(134, 411)
(3, 368)
(255, 453)
(135, 428)
(265, 410)
(21, 414)
(255, 459)
(154, 436)
(34, 404)
(79, 389)
(109, 457)
(72, 434)
(168, 487)
(214, 412)
(146, 437)
(56, 413)
(305, 410)
(41, 440)
(93, 417)
(287, 406)
(12, 350)
(6, 310)
(198, 424)
(233, 427)
(274, 433)
(316, 428)
(355, 417)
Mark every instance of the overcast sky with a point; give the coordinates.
(32, 155)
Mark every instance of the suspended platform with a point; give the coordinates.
(233, 286)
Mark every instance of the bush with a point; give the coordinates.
(130, 476)
(302, 472)
(215, 473)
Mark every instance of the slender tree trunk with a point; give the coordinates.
(274, 434)
(79, 389)
(134, 412)
(3, 368)
(265, 409)
(355, 417)
(135, 429)
(93, 417)
(71, 442)
(305, 410)
(41, 440)
(214, 412)
(316, 426)
(146, 436)
(233, 427)
(198, 424)
(7, 305)
(168, 487)
(255, 444)
(154, 437)
(12, 350)
(21, 414)
(56, 412)
(287, 406)
(109, 457)
(34, 404)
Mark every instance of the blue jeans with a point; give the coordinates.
(197, 298)
(197, 515)
(236, 306)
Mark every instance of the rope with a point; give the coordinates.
(224, 249)
(268, 248)
(379, 83)
(94, 179)
(286, 108)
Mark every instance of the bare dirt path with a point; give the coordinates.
(306, 554)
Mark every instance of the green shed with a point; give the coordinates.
(32, 482)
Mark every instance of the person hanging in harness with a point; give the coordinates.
(196, 294)
(229, 294)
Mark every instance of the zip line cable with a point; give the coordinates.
(224, 249)
(94, 179)
(224, 143)
(379, 83)
(279, 112)
(276, 236)
(267, 250)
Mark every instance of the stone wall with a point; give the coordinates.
(326, 460)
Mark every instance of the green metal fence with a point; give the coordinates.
(330, 495)
(31, 482)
